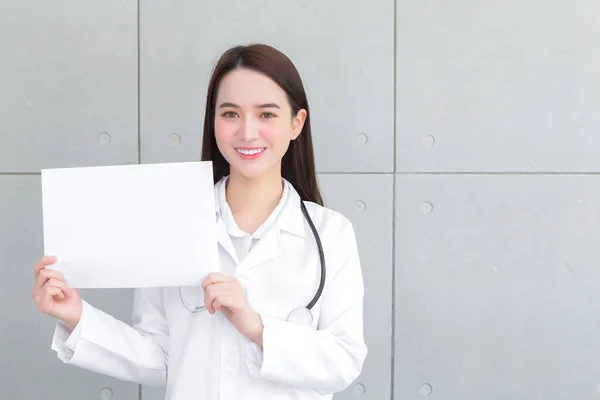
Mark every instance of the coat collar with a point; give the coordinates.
(289, 220)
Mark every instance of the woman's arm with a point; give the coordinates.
(108, 346)
(328, 359)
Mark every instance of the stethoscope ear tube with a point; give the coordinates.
(321, 256)
(185, 304)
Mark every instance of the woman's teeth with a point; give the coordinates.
(250, 152)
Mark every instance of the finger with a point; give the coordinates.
(53, 293)
(207, 304)
(43, 263)
(46, 274)
(61, 286)
(216, 289)
(216, 305)
(215, 277)
(220, 287)
(41, 279)
(57, 294)
(208, 300)
(52, 282)
(213, 291)
(224, 301)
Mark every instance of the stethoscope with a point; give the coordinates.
(300, 315)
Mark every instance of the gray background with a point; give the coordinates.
(462, 138)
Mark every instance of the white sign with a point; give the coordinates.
(147, 225)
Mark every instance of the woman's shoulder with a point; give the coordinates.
(338, 238)
(328, 219)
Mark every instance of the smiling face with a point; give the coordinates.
(254, 123)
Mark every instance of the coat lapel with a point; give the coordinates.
(225, 241)
(222, 235)
(265, 250)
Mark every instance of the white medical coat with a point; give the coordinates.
(202, 356)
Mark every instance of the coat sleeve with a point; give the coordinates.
(103, 344)
(330, 358)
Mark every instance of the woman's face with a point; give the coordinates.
(253, 123)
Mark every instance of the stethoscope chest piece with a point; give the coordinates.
(301, 316)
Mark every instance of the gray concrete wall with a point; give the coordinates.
(461, 138)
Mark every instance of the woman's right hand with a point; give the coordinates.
(52, 296)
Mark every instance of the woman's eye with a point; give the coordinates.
(267, 115)
(229, 114)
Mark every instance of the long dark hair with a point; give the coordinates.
(298, 163)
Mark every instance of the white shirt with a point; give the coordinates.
(202, 356)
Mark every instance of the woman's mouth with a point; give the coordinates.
(250, 153)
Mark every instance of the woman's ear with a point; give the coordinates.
(298, 123)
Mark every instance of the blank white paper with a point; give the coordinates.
(148, 225)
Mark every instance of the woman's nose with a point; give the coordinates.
(249, 129)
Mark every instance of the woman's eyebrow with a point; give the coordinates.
(265, 105)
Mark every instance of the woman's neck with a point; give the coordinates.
(252, 200)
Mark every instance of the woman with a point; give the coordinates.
(257, 134)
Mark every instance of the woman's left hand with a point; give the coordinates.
(226, 294)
